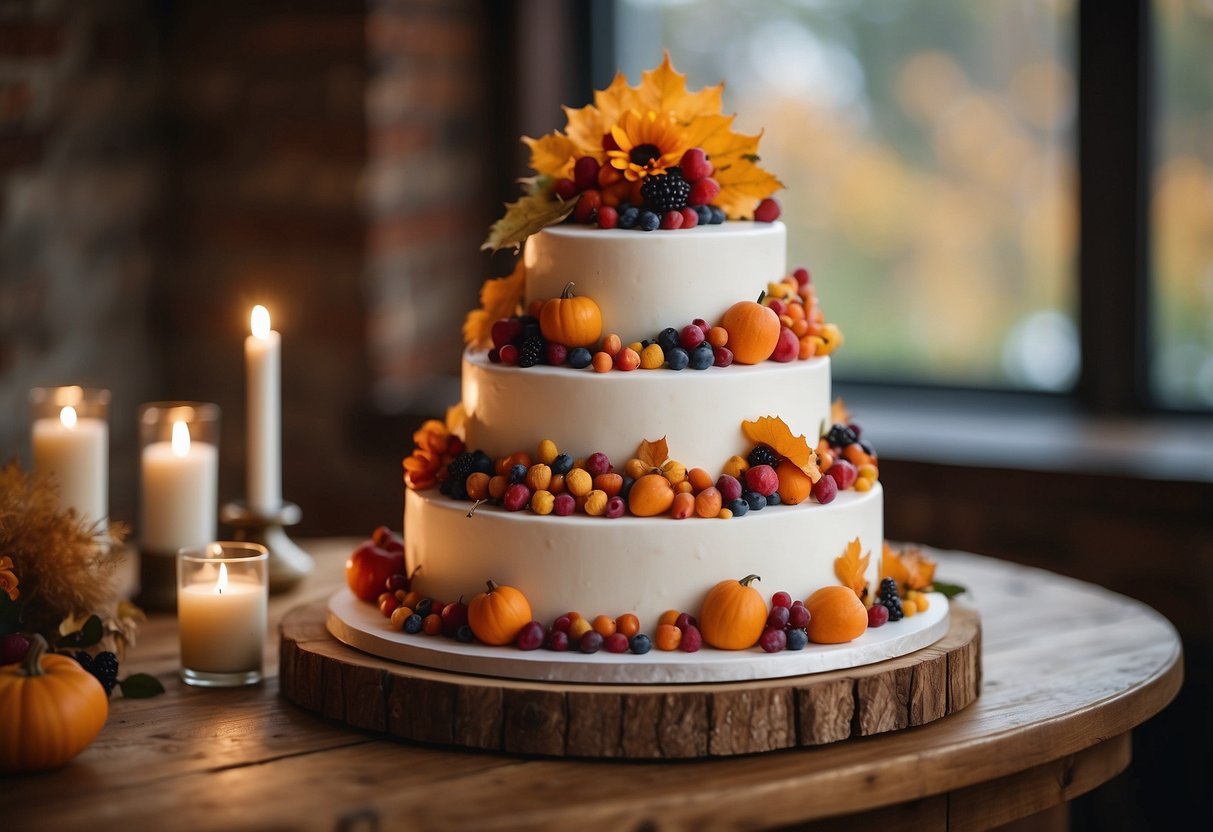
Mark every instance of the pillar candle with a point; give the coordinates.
(76, 452)
(222, 624)
(180, 485)
(262, 358)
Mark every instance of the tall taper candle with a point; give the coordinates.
(262, 358)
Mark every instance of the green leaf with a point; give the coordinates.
(949, 590)
(141, 686)
(525, 217)
(86, 636)
(10, 614)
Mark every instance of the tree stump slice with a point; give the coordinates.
(655, 722)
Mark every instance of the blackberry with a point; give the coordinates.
(666, 192)
(103, 667)
(762, 455)
(457, 473)
(530, 351)
(889, 597)
(840, 436)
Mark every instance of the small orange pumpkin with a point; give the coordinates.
(497, 615)
(650, 496)
(753, 330)
(733, 614)
(570, 320)
(50, 710)
(836, 615)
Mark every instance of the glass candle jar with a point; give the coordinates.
(222, 597)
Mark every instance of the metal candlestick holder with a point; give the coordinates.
(288, 564)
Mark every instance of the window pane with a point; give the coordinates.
(1182, 210)
(927, 150)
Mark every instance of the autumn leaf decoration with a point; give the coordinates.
(851, 568)
(653, 452)
(529, 215)
(499, 298)
(911, 568)
(773, 431)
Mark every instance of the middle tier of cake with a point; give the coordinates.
(699, 412)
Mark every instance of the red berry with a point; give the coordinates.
(773, 640)
(518, 496)
(585, 173)
(387, 604)
(762, 479)
(587, 206)
(561, 623)
(767, 210)
(530, 637)
(616, 507)
(787, 346)
(590, 642)
(608, 217)
(691, 640)
(495, 355)
(729, 488)
(505, 331)
(844, 473)
(508, 354)
(557, 641)
(616, 643)
(455, 615)
(684, 620)
(825, 490)
(802, 276)
(798, 616)
(778, 617)
(703, 192)
(597, 463)
(689, 218)
(781, 599)
(555, 354)
(671, 220)
(564, 505)
(723, 356)
(878, 615)
(395, 582)
(777, 306)
(704, 325)
(565, 188)
(695, 165)
(690, 336)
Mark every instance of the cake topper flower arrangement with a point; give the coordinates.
(646, 157)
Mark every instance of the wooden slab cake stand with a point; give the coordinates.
(664, 721)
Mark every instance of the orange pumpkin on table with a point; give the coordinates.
(733, 615)
(497, 615)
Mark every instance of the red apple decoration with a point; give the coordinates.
(373, 562)
(787, 347)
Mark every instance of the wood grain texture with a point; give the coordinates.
(1068, 670)
(665, 722)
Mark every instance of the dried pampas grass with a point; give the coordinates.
(66, 567)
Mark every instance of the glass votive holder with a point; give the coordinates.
(222, 596)
(69, 437)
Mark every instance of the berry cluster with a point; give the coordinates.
(846, 461)
(787, 624)
(573, 631)
(891, 606)
(411, 612)
(680, 197)
(103, 666)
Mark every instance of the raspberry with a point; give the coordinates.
(671, 220)
(767, 211)
(585, 173)
(565, 189)
(690, 218)
(695, 165)
(608, 217)
(665, 192)
(890, 598)
(762, 455)
(703, 192)
(530, 351)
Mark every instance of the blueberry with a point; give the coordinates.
(464, 634)
(518, 473)
(739, 507)
(648, 221)
(423, 607)
(667, 339)
(579, 358)
(702, 357)
(626, 488)
(459, 491)
(640, 644)
(773, 499)
(867, 447)
(798, 639)
(413, 623)
(717, 215)
(562, 464)
(704, 213)
(628, 216)
(754, 500)
(482, 463)
(677, 358)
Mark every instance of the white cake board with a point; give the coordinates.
(361, 626)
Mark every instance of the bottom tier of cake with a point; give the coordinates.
(645, 566)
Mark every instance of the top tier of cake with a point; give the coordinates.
(644, 282)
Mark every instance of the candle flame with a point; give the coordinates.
(181, 439)
(68, 417)
(221, 584)
(260, 322)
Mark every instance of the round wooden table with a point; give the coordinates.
(1069, 670)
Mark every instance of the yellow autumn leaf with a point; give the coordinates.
(742, 186)
(551, 155)
(851, 569)
(664, 90)
(653, 452)
(529, 215)
(456, 418)
(839, 415)
(911, 569)
(499, 298)
(773, 431)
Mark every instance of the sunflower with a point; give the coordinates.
(647, 144)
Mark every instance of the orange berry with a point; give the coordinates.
(612, 344)
(800, 327)
(718, 336)
(610, 483)
(628, 624)
(432, 625)
(602, 362)
(627, 359)
(699, 479)
(855, 454)
(668, 637)
(796, 312)
(579, 628)
(684, 505)
(604, 625)
(708, 501)
(411, 598)
(808, 347)
(684, 487)
(669, 617)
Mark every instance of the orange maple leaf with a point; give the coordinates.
(773, 431)
(499, 298)
(851, 569)
(911, 569)
(839, 415)
(653, 452)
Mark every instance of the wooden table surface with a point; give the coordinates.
(1069, 670)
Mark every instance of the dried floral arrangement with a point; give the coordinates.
(57, 580)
